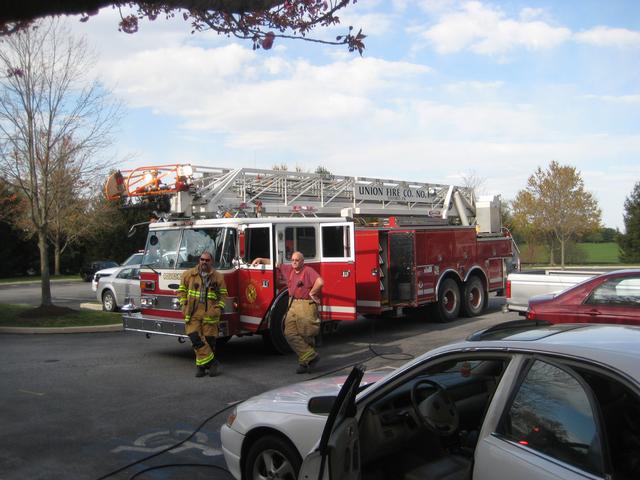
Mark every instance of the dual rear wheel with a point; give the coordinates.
(471, 301)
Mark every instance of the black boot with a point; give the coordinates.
(200, 371)
(214, 368)
(313, 362)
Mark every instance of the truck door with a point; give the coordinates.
(402, 285)
(256, 284)
(337, 268)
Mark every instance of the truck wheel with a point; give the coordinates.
(108, 301)
(448, 300)
(473, 298)
(274, 338)
(272, 457)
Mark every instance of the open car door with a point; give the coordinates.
(337, 455)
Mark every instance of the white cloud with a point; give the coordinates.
(252, 98)
(620, 99)
(372, 24)
(488, 31)
(602, 36)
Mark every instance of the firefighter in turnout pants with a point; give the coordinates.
(202, 294)
(302, 323)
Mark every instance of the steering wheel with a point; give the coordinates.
(437, 411)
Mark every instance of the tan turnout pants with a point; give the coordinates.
(300, 328)
(202, 335)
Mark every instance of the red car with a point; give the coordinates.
(612, 297)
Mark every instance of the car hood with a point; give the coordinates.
(294, 398)
(107, 271)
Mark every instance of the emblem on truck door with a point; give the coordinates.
(250, 293)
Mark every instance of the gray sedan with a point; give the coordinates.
(115, 290)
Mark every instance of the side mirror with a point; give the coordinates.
(321, 405)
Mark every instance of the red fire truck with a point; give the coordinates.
(382, 246)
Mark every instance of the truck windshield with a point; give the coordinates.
(220, 242)
(162, 249)
(182, 248)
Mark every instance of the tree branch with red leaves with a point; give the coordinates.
(261, 21)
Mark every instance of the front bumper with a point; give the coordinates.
(231, 448)
(136, 322)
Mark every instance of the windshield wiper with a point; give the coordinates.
(152, 269)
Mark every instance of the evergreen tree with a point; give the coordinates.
(629, 242)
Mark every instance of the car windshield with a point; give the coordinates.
(182, 248)
(134, 259)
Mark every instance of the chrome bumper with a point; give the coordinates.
(137, 322)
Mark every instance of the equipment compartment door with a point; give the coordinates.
(256, 285)
(337, 268)
(402, 289)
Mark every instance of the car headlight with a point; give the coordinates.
(232, 417)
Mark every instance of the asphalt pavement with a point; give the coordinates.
(65, 293)
(84, 405)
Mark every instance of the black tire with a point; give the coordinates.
(222, 341)
(108, 301)
(284, 459)
(448, 306)
(474, 297)
(274, 338)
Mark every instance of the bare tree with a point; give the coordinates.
(473, 181)
(50, 113)
(73, 180)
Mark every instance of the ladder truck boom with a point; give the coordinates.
(199, 191)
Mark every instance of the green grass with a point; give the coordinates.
(28, 316)
(36, 278)
(582, 254)
(604, 253)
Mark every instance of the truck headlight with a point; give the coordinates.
(147, 302)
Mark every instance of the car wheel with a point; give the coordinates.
(474, 297)
(274, 338)
(448, 300)
(272, 458)
(108, 301)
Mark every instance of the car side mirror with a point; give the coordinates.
(321, 405)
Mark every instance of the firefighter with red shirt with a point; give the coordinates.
(302, 322)
(202, 294)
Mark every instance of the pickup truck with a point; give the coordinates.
(522, 286)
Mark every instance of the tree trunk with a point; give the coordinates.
(552, 257)
(562, 242)
(57, 252)
(43, 246)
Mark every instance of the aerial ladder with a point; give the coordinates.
(200, 191)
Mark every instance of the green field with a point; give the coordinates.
(577, 254)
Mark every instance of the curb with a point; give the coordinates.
(83, 329)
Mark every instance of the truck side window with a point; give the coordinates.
(256, 243)
(335, 241)
(301, 239)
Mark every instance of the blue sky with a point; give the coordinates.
(445, 89)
